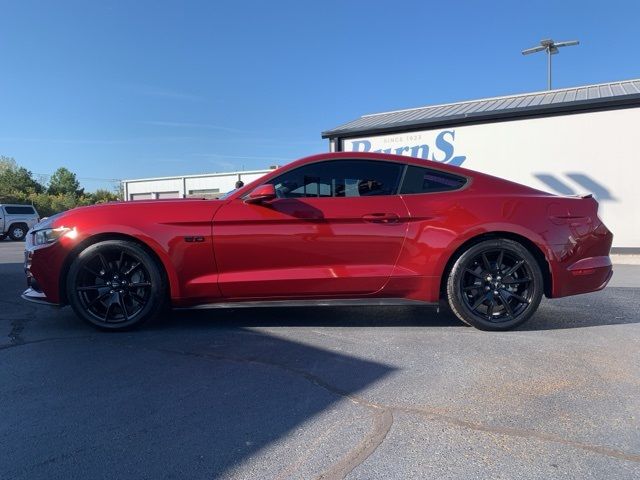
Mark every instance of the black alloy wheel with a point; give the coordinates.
(115, 285)
(495, 285)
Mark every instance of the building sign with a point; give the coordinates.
(430, 145)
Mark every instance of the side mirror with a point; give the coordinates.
(263, 193)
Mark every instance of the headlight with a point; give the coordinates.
(50, 235)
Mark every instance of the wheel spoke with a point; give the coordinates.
(477, 275)
(98, 298)
(106, 314)
(472, 287)
(485, 262)
(490, 308)
(517, 297)
(123, 307)
(139, 284)
(105, 264)
(499, 261)
(516, 281)
(92, 272)
(507, 307)
(139, 298)
(517, 265)
(479, 302)
(90, 287)
(121, 260)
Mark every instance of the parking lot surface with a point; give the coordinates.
(357, 393)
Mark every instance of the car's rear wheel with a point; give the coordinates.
(115, 285)
(495, 285)
(18, 232)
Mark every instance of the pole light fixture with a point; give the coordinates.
(551, 48)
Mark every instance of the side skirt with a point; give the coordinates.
(345, 302)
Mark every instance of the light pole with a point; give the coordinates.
(551, 48)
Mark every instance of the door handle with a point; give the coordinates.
(381, 218)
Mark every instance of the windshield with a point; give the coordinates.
(226, 195)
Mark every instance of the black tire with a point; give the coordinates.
(18, 232)
(495, 285)
(116, 285)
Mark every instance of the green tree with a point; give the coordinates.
(15, 180)
(64, 182)
(102, 196)
(7, 163)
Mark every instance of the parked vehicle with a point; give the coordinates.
(332, 229)
(16, 220)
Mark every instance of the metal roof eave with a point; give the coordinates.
(619, 101)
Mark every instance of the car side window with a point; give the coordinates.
(19, 210)
(340, 178)
(426, 180)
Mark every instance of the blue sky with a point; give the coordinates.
(126, 89)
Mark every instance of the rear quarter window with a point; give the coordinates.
(19, 210)
(426, 180)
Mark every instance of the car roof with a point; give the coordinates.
(387, 157)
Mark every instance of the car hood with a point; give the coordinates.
(140, 210)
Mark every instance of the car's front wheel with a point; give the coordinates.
(495, 285)
(115, 285)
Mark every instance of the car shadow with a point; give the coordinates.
(192, 399)
(613, 306)
(325, 316)
(589, 310)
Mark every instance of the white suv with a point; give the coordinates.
(16, 220)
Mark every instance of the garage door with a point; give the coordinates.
(162, 195)
(140, 196)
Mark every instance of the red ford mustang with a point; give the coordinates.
(332, 229)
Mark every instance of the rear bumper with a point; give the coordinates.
(586, 275)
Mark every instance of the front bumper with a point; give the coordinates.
(34, 292)
(34, 296)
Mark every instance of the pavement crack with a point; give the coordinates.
(521, 432)
(310, 377)
(15, 335)
(23, 342)
(382, 422)
(382, 415)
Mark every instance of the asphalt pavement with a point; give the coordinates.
(301, 393)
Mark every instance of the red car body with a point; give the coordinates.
(388, 246)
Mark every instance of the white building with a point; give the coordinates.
(567, 141)
(206, 185)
